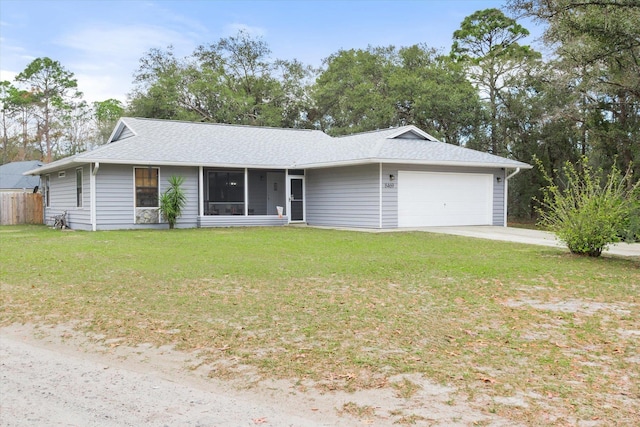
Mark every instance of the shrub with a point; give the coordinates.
(173, 200)
(591, 211)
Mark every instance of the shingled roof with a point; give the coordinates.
(12, 178)
(165, 142)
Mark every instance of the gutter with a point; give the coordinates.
(506, 192)
(513, 174)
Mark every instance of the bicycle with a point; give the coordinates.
(60, 221)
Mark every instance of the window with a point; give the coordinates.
(47, 185)
(146, 187)
(226, 192)
(79, 187)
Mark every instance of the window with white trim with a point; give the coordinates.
(79, 187)
(147, 191)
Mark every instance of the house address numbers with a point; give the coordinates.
(389, 185)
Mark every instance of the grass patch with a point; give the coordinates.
(349, 310)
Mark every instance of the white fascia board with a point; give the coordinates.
(57, 165)
(184, 164)
(415, 162)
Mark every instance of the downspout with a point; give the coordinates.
(92, 191)
(506, 192)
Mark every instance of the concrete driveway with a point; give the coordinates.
(522, 235)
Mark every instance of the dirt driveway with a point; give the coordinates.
(53, 376)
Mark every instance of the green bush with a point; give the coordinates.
(590, 211)
(173, 200)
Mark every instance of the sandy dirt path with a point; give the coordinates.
(54, 377)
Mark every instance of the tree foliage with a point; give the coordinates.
(377, 88)
(487, 43)
(597, 44)
(106, 113)
(44, 116)
(231, 81)
(53, 90)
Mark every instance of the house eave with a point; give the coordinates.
(415, 162)
(136, 162)
(61, 164)
(52, 167)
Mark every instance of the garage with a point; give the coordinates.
(444, 199)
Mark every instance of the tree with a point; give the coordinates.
(352, 93)
(106, 113)
(6, 90)
(231, 81)
(77, 131)
(17, 110)
(160, 90)
(431, 91)
(599, 42)
(381, 87)
(590, 211)
(487, 43)
(53, 88)
(173, 201)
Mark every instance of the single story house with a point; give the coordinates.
(12, 178)
(259, 176)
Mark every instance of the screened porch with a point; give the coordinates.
(243, 197)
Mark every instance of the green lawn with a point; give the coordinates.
(348, 310)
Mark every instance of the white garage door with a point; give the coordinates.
(440, 199)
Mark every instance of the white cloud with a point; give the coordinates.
(7, 75)
(104, 58)
(123, 42)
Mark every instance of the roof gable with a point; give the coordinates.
(121, 131)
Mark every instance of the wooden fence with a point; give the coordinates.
(21, 208)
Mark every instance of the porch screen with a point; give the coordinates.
(226, 193)
(146, 187)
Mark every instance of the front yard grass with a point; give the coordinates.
(557, 334)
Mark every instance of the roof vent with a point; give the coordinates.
(410, 134)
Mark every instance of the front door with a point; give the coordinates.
(296, 199)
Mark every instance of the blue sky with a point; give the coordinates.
(101, 42)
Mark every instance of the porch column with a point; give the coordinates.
(246, 192)
(200, 191)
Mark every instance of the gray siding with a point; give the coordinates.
(258, 192)
(343, 197)
(115, 196)
(62, 195)
(498, 197)
(390, 195)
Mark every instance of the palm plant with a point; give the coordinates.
(173, 201)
